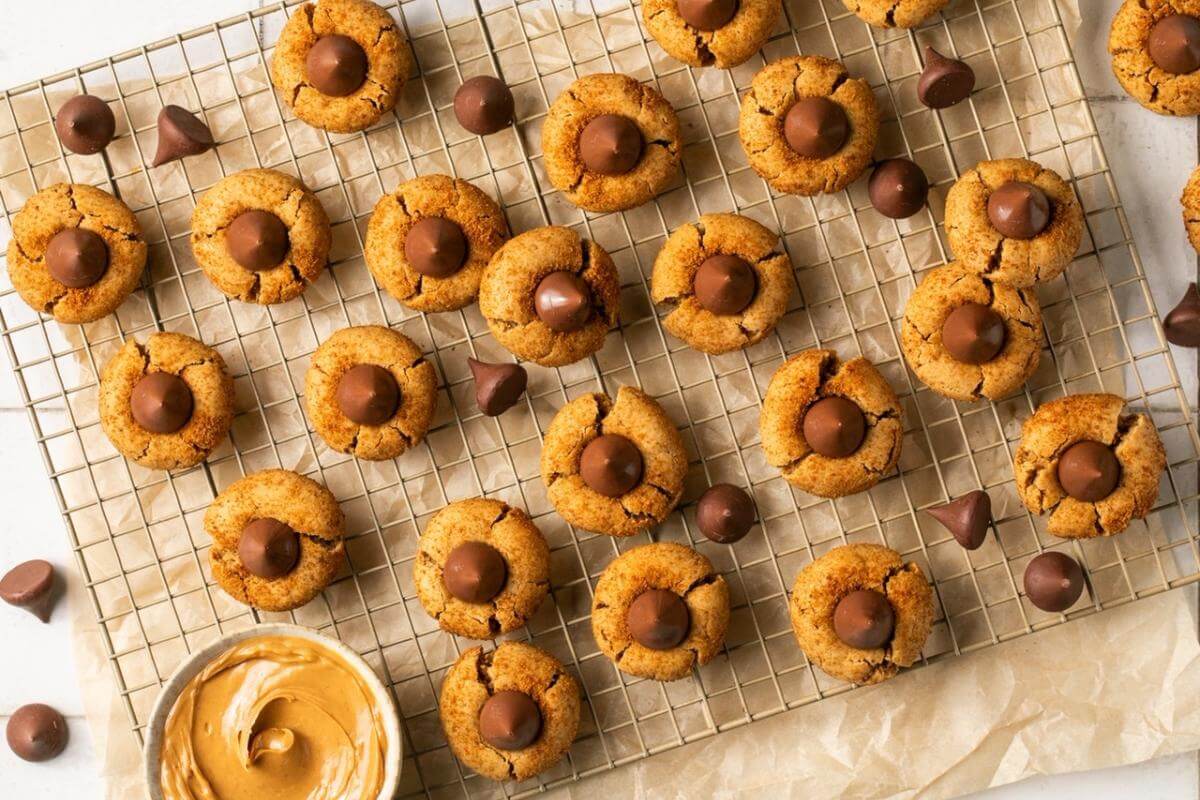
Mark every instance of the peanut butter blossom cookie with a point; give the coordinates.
(1191, 209)
(1155, 49)
(832, 427)
(1088, 465)
(482, 568)
(340, 64)
(168, 403)
(550, 296)
(510, 713)
(277, 539)
(895, 13)
(370, 392)
(76, 252)
(428, 242)
(807, 127)
(726, 279)
(968, 338)
(723, 33)
(610, 142)
(1013, 221)
(860, 612)
(613, 467)
(260, 236)
(659, 610)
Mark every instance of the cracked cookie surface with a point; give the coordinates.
(285, 197)
(71, 205)
(305, 506)
(821, 585)
(1191, 208)
(197, 365)
(513, 666)
(1057, 425)
(1155, 88)
(727, 46)
(895, 13)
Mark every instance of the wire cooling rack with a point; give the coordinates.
(138, 534)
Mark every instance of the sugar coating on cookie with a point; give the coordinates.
(895, 13)
(1164, 91)
(733, 43)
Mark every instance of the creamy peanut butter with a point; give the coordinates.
(274, 717)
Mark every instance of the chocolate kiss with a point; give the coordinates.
(180, 133)
(966, 518)
(497, 386)
(1182, 323)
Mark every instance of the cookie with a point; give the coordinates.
(168, 403)
(860, 612)
(340, 64)
(76, 252)
(704, 33)
(610, 143)
(1088, 465)
(613, 467)
(832, 428)
(807, 127)
(726, 279)
(276, 539)
(370, 392)
(1191, 210)
(429, 240)
(549, 296)
(895, 13)
(482, 568)
(967, 338)
(659, 610)
(1155, 49)
(1013, 221)
(260, 236)
(488, 717)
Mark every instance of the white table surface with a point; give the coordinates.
(1150, 156)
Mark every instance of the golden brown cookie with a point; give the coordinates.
(1055, 476)
(284, 198)
(949, 305)
(1169, 87)
(809, 379)
(560, 332)
(1191, 209)
(895, 13)
(660, 637)
(730, 43)
(470, 687)
(786, 83)
(208, 388)
(493, 584)
(702, 303)
(980, 247)
(61, 208)
(825, 583)
(276, 574)
(433, 284)
(373, 414)
(382, 59)
(651, 167)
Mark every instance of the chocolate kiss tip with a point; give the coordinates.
(1182, 323)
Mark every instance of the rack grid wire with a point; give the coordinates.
(138, 534)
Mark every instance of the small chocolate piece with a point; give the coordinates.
(484, 105)
(611, 144)
(864, 619)
(85, 124)
(497, 386)
(32, 586)
(1089, 471)
(973, 334)
(966, 518)
(944, 81)
(1174, 44)
(76, 257)
(1053, 581)
(258, 240)
(706, 15)
(725, 284)
(37, 732)
(510, 720)
(1019, 210)
(898, 188)
(180, 133)
(725, 513)
(816, 127)
(611, 465)
(834, 427)
(1182, 324)
(368, 394)
(435, 246)
(474, 572)
(658, 619)
(161, 402)
(336, 65)
(269, 548)
(563, 301)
